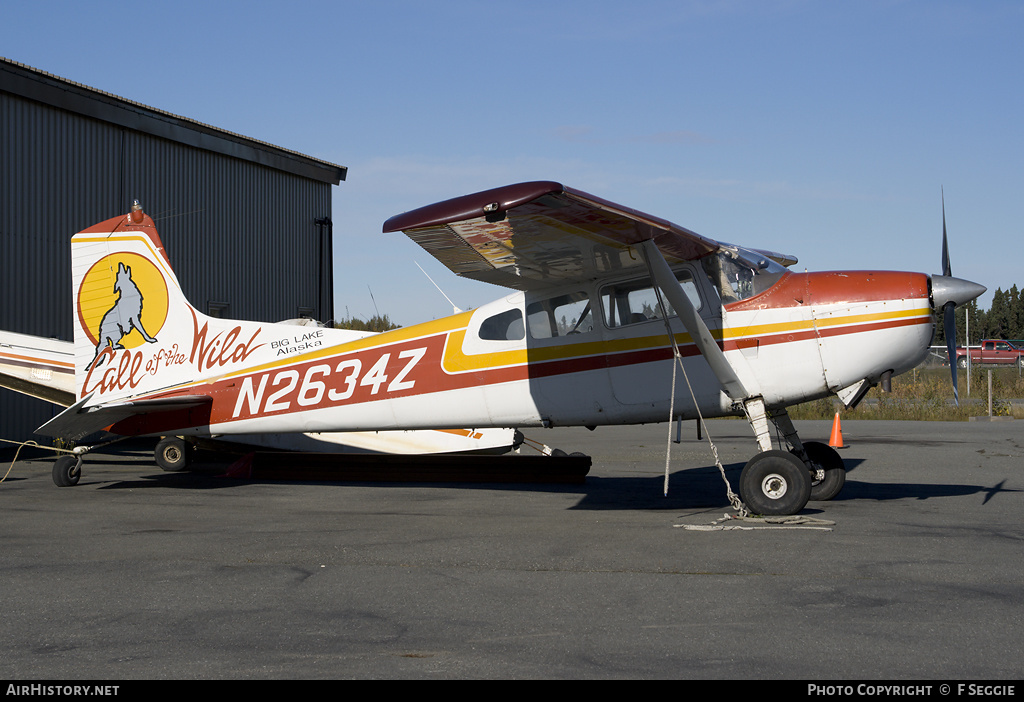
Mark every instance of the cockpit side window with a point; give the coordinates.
(560, 316)
(505, 326)
(740, 274)
(635, 301)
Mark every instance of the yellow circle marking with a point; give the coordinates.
(97, 297)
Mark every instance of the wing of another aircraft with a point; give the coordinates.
(532, 235)
(38, 367)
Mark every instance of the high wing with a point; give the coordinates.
(532, 235)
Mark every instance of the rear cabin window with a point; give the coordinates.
(506, 326)
(560, 316)
(635, 301)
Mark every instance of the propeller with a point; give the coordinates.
(947, 293)
(949, 309)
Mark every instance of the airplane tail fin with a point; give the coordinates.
(135, 332)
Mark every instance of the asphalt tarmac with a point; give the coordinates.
(913, 573)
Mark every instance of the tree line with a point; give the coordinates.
(376, 323)
(1004, 319)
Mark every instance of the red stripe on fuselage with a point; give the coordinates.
(837, 287)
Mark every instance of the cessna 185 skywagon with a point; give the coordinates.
(604, 301)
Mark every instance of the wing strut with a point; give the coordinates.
(702, 338)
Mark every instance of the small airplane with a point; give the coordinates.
(605, 305)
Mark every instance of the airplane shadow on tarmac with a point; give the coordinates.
(689, 488)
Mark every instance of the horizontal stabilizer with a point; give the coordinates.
(79, 420)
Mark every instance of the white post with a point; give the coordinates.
(990, 392)
(967, 330)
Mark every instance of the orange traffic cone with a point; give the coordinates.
(836, 440)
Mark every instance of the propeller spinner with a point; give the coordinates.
(947, 293)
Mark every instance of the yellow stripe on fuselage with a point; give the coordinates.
(739, 332)
(455, 361)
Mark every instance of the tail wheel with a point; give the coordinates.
(173, 454)
(775, 483)
(829, 473)
(67, 470)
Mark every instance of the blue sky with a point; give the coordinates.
(823, 129)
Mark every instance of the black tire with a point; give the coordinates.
(775, 483)
(833, 471)
(962, 362)
(66, 471)
(173, 454)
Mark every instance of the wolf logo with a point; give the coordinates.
(124, 316)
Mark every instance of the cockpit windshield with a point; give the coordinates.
(739, 273)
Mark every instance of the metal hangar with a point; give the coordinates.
(246, 224)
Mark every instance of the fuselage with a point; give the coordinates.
(586, 355)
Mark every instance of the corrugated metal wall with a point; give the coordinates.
(237, 232)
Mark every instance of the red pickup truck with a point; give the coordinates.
(992, 351)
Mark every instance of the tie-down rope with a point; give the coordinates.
(734, 500)
(23, 444)
(790, 522)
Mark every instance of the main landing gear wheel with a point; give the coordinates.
(173, 454)
(829, 475)
(775, 483)
(67, 470)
